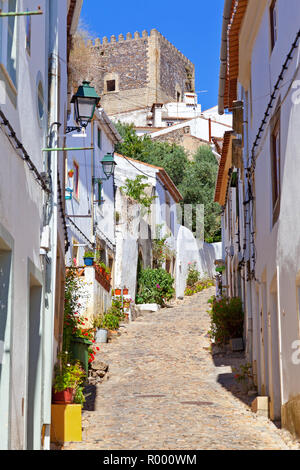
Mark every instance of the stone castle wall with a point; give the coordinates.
(146, 68)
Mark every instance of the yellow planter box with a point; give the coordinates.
(66, 423)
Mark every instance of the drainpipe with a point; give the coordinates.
(223, 55)
(53, 114)
(279, 318)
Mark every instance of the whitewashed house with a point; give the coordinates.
(90, 209)
(136, 229)
(183, 123)
(33, 97)
(259, 81)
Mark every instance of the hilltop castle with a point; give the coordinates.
(136, 72)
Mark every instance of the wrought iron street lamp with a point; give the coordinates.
(85, 101)
(108, 164)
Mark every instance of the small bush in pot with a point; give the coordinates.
(111, 321)
(89, 258)
(69, 375)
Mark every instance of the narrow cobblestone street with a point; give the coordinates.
(164, 391)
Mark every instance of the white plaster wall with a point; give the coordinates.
(21, 201)
(136, 117)
(278, 253)
(188, 251)
(199, 127)
(103, 214)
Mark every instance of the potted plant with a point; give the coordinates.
(107, 273)
(102, 267)
(71, 173)
(101, 331)
(89, 258)
(117, 292)
(125, 291)
(68, 377)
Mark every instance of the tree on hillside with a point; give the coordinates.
(195, 179)
(172, 158)
(198, 187)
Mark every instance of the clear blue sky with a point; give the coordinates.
(194, 27)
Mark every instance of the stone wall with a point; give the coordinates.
(127, 58)
(147, 69)
(176, 71)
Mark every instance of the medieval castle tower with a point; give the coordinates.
(137, 72)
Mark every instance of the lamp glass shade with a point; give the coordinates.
(84, 110)
(85, 102)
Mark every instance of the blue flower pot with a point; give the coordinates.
(88, 261)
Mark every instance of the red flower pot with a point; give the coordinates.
(118, 292)
(64, 397)
(125, 291)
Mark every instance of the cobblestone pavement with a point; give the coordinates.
(166, 392)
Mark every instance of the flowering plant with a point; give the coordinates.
(75, 324)
(68, 374)
(154, 286)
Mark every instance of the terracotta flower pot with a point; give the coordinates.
(64, 397)
(118, 292)
(125, 291)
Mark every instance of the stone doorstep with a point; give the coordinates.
(260, 406)
(237, 345)
(147, 308)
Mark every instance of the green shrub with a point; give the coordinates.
(110, 321)
(193, 275)
(227, 319)
(154, 286)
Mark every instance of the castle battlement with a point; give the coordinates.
(140, 69)
(104, 41)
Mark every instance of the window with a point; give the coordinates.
(12, 43)
(76, 180)
(99, 138)
(274, 23)
(111, 85)
(275, 164)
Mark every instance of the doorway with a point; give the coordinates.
(5, 341)
(34, 376)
